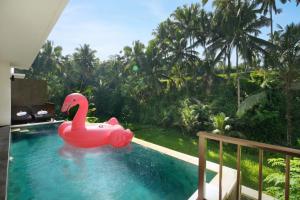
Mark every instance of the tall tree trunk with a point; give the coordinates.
(209, 84)
(271, 17)
(224, 64)
(81, 84)
(228, 65)
(288, 114)
(209, 80)
(238, 79)
(190, 45)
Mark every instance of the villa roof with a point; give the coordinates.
(24, 27)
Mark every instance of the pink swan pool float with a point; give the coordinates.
(80, 134)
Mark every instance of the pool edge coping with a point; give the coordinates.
(35, 124)
(8, 162)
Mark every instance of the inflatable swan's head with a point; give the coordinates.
(72, 100)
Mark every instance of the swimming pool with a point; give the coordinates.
(43, 167)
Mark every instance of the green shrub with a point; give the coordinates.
(92, 119)
(277, 180)
(189, 115)
(224, 99)
(220, 123)
(265, 122)
(194, 116)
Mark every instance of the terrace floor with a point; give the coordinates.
(4, 146)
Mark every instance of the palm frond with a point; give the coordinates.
(250, 102)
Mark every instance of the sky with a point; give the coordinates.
(109, 25)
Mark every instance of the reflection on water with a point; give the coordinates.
(77, 155)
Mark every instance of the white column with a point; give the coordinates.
(5, 94)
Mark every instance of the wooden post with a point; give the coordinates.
(260, 185)
(220, 168)
(287, 178)
(202, 167)
(238, 171)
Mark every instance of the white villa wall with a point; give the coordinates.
(24, 27)
(5, 94)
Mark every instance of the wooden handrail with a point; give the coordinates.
(252, 144)
(203, 136)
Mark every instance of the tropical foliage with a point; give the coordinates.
(185, 79)
(278, 179)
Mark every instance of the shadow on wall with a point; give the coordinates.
(29, 101)
(26, 92)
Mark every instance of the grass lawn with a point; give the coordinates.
(174, 139)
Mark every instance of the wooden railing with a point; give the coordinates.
(203, 136)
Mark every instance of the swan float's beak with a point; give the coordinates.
(66, 107)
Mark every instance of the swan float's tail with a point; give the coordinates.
(120, 138)
(113, 121)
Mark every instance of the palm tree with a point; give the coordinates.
(49, 59)
(202, 34)
(86, 61)
(245, 37)
(185, 19)
(202, 31)
(286, 59)
(183, 25)
(268, 6)
(238, 28)
(219, 43)
(194, 25)
(179, 59)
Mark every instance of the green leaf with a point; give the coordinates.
(250, 102)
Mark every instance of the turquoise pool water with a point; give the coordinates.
(43, 167)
